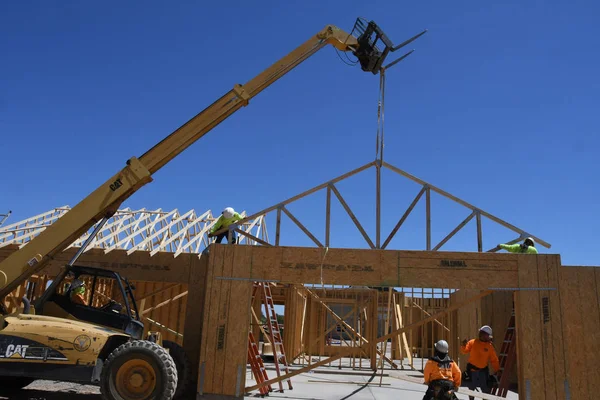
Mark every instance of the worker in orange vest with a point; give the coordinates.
(441, 374)
(481, 353)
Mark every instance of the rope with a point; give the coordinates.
(380, 116)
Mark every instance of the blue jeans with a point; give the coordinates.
(223, 235)
(479, 379)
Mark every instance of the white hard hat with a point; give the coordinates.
(442, 346)
(531, 240)
(228, 212)
(486, 329)
(76, 284)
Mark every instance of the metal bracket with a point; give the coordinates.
(241, 93)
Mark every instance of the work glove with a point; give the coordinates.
(464, 342)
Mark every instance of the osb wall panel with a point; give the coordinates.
(225, 323)
(580, 329)
(379, 267)
(162, 308)
(137, 266)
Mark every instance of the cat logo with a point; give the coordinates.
(116, 184)
(16, 351)
(82, 343)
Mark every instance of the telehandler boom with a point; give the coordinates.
(366, 41)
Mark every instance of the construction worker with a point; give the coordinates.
(77, 292)
(527, 247)
(228, 217)
(481, 353)
(441, 374)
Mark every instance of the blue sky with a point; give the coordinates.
(495, 106)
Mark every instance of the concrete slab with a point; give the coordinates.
(323, 383)
(333, 383)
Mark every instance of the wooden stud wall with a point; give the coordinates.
(494, 310)
(557, 308)
(547, 322)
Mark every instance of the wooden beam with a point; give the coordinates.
(479, 233)
(278, 227)
(328, 217)
(403, 218)
(400, 322)
(253, 237)
(428, 216)
(464, 203)
(301, 226)
(352, 216)
(386, 329)
(180, 295)
(454, 231)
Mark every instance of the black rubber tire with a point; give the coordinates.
(182, 362)
(158, 358)
(14, 382)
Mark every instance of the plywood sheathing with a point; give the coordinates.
(380, 267)
(138, 266)
(580, 308)
(226, 320)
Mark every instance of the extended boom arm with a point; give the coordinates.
(104, 201)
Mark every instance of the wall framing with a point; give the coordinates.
(231, 271)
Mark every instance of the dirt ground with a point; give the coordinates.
(53, 390)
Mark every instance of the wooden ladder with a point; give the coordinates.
(257, 365)
(507, 358)
(274, 333)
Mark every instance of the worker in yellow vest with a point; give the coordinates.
(527, 247)
(228, 217)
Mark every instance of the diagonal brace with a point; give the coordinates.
(351, 214)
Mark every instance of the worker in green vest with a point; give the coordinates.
(527, 247)
(228, 216)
